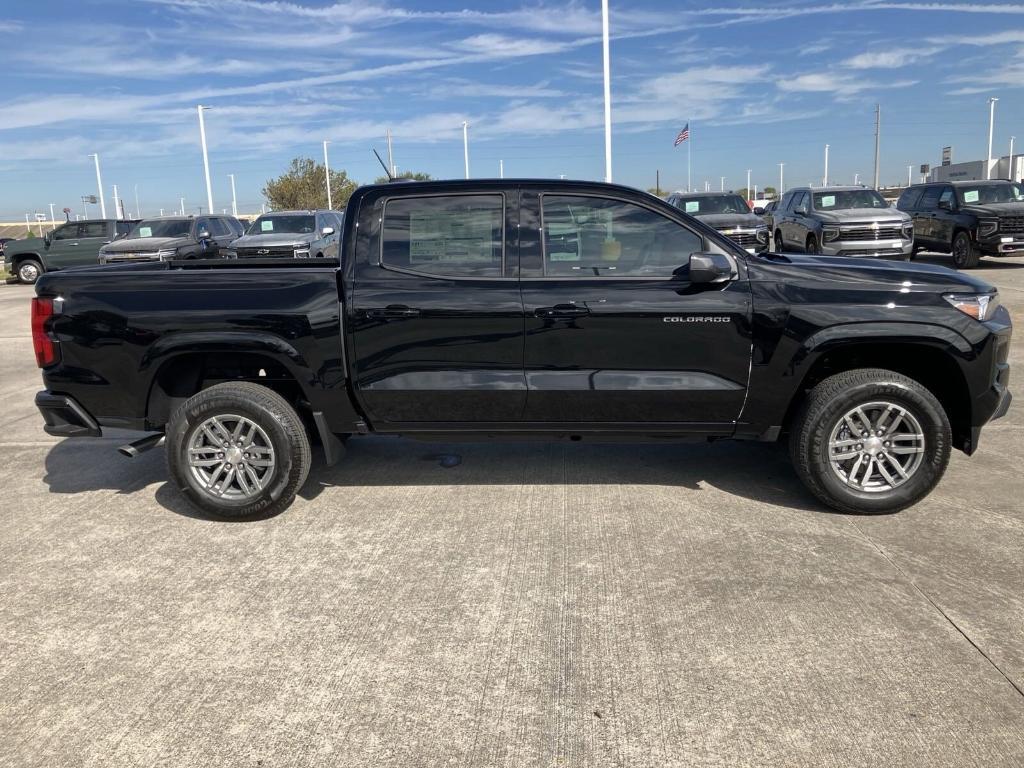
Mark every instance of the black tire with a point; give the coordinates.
(779, 245)
(965, 251)
(823, 411)
(280, 427)
(812, 245)
(28, 271)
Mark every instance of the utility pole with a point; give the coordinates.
(138, 209)
(991, 124)
(1009, 169)
(878, 136)
(327, 178)
(391, 156)
(183, 206)
(99, 187)
(722, 184)
(607, 93)
(910, 179)
(748, 185)
(782, 187)
(501, 169)
(234, 200)
(465, 145)
(206, 158)
(824, 181)
(53, 223)
(117, 207)
(856, 179)
(657, 182)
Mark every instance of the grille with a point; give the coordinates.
(746, 239)
(872, 252)
(271, 252)
(871, 233)
(113, 258)
(1012, 224)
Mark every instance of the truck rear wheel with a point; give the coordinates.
(238, 450)
(965, 252)
(870, 441)
(29, 271)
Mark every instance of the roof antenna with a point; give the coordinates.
(382, 165)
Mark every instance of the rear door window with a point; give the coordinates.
(93, 229)
(452, 235)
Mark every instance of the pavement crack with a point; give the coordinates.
(936, 606)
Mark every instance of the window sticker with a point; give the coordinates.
(692, 206)
(971, 196)
(828, 201)
(462, 236)
(145, 231)
(267, 225)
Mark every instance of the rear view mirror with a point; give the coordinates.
(710, 268)
(328, 231)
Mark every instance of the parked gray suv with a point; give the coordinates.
(842, 221)
(290, 235)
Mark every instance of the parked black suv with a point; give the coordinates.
(174, 237)
(968, 219)
(728, 213)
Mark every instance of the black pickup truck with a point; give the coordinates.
(505, 308)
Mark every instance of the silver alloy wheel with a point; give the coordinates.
(28, 272)
(876, 447)
(231, 457)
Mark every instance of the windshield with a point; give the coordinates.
(841, 200)
(990, 193)
(707, 204)
(161, 228)
(292, 225)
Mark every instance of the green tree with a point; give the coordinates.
(656, 191)
(302, 187)
(770, 192)
(404, 175)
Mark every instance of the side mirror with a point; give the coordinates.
(801, 210)
(759, 211)
(946, 205)
(46, 239)
(327, 231)
(203, 234)
(710, 268)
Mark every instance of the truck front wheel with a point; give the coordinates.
(29, 271)
(870, 441)
(966, 254)
(238, 450)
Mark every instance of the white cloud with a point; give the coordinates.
(892, 58)
(841, 85)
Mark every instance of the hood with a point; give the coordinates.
(730, 220)
(34, 244)
(868, 215)
(866, 273)
(994, 209)
(145, 244)
(273, 238)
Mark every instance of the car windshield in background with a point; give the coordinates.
(160, 228)
(984, 194)
(291, 225)
(708, 204)
(842, 200)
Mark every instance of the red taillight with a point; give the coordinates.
(44, 346)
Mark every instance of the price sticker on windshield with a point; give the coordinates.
(692, 206)
(267, 225)
(828, 201)
(971, 196)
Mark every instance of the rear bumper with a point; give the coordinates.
(64, 417)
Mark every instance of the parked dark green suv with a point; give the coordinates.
(74, 244)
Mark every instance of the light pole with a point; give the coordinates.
(782, 187)
(138, 208)
(607, 93)
(206, 158)
(824, 181)
(327, 178)
(117, 206)
(910, 179)
(501, 169)
(183, 206)
(234, 201)
(722, 189)
(1009, 169)
(465, 145)
(991, 124)
(856, 179)
(99, 186)
(53, 223)
(748, 184)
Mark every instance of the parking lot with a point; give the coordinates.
(506, 604)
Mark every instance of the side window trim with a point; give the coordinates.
(383, 202)
(619, 199)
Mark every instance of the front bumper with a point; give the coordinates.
(1002, 245)
(64, 416)
(869, 249)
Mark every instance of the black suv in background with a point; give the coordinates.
(968, 219)
(728, 213)
(173, 237)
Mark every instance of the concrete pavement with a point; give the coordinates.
(535, 605)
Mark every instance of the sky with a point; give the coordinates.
(760, 83)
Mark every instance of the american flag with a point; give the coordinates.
(683, 135)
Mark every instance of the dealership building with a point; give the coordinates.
(974, 170)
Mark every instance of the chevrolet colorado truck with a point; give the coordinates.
(503, 308)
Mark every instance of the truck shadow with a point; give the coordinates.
(752, 471)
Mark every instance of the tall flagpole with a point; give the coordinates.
(689, 150)
(607, 93)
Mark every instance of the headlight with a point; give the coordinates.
(762, 234)
(229, 253)
(980, 306)
(908, 230)
(166, 253)
(830, 233)
(987, 227)
(302, 253)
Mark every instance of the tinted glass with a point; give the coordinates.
(848, 199)
(67, 232)
(219, 228)
(300, 224)
(946, 196)
(985, 194)
(123, 228)
(93, 229)
(909, 199)
(697, 205)
(800, 200)
(930, 198)
(458, 235)
(599, 237)
(161, 228)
